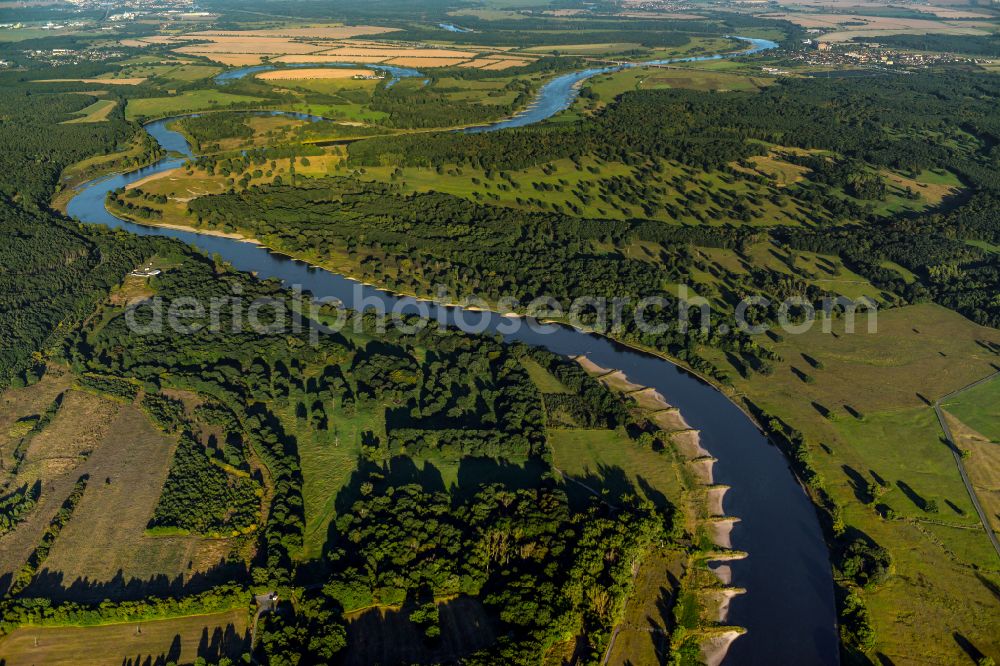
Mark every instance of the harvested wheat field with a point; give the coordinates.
(322, 58)
(177, 640)
(426, 62)
(401, 52)
(506, 64)
(262, 45)
(307, 32)
(315, 73)
(844, 29)
(237, 59)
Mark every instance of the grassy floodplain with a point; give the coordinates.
(180, 640)
(863, 402)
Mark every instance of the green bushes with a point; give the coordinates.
(116, 387)
(17, 504)
(199, 496)
(164, 411)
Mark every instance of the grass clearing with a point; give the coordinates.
(328, 458)
(95, 113)
(543, 379)
(386, 636)
(644, 633)
(179, 640)
(189, 101)
(889, 379)
(608, 461)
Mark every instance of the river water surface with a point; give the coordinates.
(788, 609)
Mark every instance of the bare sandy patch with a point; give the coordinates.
(720, 531)
(701, 468)
(723, 572)
(718, 601)
(715, 497)
(688, 442)
(670, 419)
(590, 366)
(324, 73)
(618, 381)
(715, 648)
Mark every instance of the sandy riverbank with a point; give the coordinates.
(715, 648)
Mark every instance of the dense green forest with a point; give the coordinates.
(534, 563)
(537, 564)
(417, 242)
(902, 123)
(38, 145)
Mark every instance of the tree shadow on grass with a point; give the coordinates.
(858, 484)
(476, 472)
(913, 496)
(974, 653)
(53, 584)
(221, 643)
(992, 587)
(607, 483)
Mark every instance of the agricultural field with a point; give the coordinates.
(179, 640)
(321, 44)
(979, 409)
(314, 74)
(846, 27)
(981, 459)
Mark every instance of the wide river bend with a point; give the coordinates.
(788, 608)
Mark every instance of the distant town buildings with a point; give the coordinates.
(874, 56)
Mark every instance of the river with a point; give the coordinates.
(788, 609)
(558, 94)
